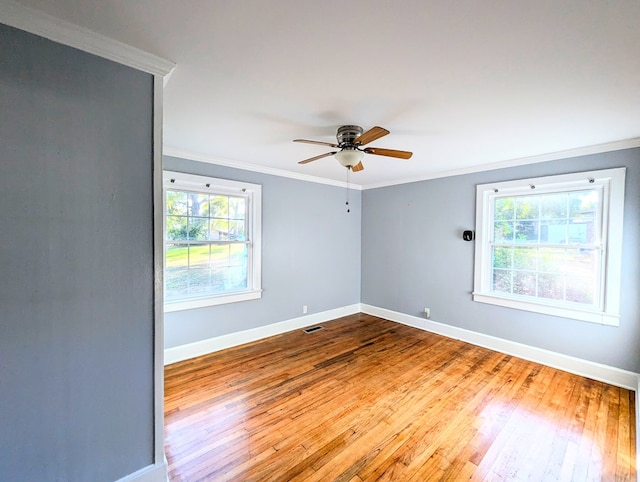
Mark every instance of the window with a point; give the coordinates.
(211, 241)
(552, 245)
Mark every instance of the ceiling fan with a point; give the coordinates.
(350, 142)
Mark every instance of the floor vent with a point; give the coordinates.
(312, 329)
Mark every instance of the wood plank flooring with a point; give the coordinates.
(367, 399)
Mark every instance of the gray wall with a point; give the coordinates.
(76, 254)
(413, 257)
(310, 256)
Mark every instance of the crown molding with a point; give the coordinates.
(72, 35)
(552, 156)
(566, 154)
(193, 156)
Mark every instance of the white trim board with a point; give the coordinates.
(151, 473)
(210, 345)
(578, 366)
(72, 35)
(158, 281)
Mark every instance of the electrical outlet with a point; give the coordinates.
(304, 309)
(427, 313)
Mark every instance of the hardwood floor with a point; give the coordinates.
(367, 399)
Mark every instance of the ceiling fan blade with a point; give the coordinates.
(388, 152)
(371, 135)
(316, 142)
(326, 154)
(357, 167)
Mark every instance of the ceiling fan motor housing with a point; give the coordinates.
(351, 140)
(347, 134)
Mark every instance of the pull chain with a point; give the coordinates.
(348, 182)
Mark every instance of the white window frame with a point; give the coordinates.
(209, 185)
(611, 182)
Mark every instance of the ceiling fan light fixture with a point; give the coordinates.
(349, 156)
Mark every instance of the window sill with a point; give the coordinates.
(590, 316)
(194, 303)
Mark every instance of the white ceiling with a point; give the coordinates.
(461, 83)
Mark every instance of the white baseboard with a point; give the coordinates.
(151, 473)
(210, 345)
(585, 368)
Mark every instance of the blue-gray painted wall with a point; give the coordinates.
(76, 254)
(413, 257)
(310, 256)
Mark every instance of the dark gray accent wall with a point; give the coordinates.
(413, 257)
(310, 256)
(76, 254)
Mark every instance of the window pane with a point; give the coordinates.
(177, 256)
(198, 229)
(201, 270)
(236, 278)
(177, 203)
(177, 283)
(198, 204)
(219, 256)
(581, 231)
(501, 280)
(219, 206)
(502, 257)
(551, 286)
(199, 256)
(238, 255)
(504, 209)
(580, 290)
(218, 230)
(503, 231)
(527, 207)
(551, 260)
(176, 228)
(583, 203)
(237, 207)
(237, 231)
(200, 282)
(553, 232)
(553, 206)
(525, 258)
(526, 231)
(581, 262)
(524, 283)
